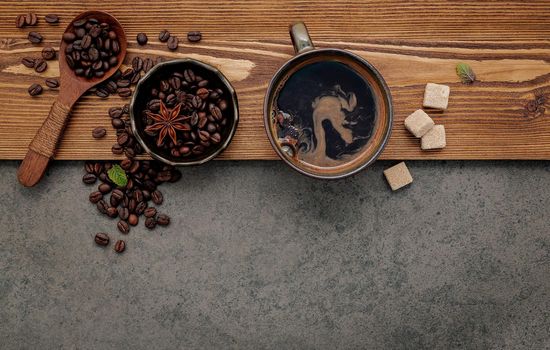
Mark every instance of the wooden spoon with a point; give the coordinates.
(44, 143)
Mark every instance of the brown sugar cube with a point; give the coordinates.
(434, 138)
(398, 176)
(419, 123)
(436, 96)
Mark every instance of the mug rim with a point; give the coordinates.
(320, 52)
(166, 65)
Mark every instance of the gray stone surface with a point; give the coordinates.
(259, 257)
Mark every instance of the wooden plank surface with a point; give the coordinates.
(411, 43)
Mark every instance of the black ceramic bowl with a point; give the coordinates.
(163, 71)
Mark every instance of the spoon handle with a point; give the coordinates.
(44, 143)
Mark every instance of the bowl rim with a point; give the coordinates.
(168, 64)
(314, 52)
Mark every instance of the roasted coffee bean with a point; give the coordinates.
(48, 53)
(148, 64)
(95, 196)
(69, 37)
(89, 179)
(150, 212)
(28, 62)
(102, 206)
(117, 194)
(35, 37)
(112, 212)
(134, 167)
(117, 149)
(80, 22)
(122, 225)
(123, 213)
(222, 105)
(122, 139)
(99, 132)
(35, 89)
(100, 92)
(120, 246)
(123, 83)
(130, 153)
(164, 35)
(203, 93)
(215, 138)
(156, 197)
(216, 113)
(52, 83)
(140, 208)
(132, 204)
(150, 223)
(124, 92)
(98, 168)
(194, 37)
(189, 75)
(141, 38)
(51, 18)
(126, 164)
(31, 19)
(40, 65)
(163, 219)
(104, 188)
(137, 64)
(172, 43)
(117, 123)
(89, 167)
(197, 150)
(20, 21)
(204, 135)
(115, 112)
(133, 219)
(135, 78)
(101, 239)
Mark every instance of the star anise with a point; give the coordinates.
(166, 123)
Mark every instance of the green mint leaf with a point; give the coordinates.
(465, 73)
(118, 175)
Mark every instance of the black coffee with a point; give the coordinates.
(324, 113)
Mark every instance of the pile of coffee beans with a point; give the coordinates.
(92, 48)
(203, 106)
(130, 202)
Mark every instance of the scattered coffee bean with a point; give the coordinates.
(99, 132)
(141, 38)
(172, 43)
(31, 19)
(112, 212)
(148, 64)
(164, 35)
(52, 83)
(48, 53)
(35, 37)
(89, 179)
(133, 219)
(120, 246)
(150, 223)
(117, 149)
(51, 18)
(150, 212)
(28, 62)
(101, 239)
(35, 89)
(194, 37)
(124, 92)
(20, 21)
(122, 226)
(102, 206)
(104, 188)
(40, 65)
(157, 197)
(163, 219)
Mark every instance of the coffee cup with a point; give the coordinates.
(327, 112)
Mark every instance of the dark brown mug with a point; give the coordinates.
(327, 112)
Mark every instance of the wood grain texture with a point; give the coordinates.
(411, 43)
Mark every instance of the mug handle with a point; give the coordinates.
(300, 37)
